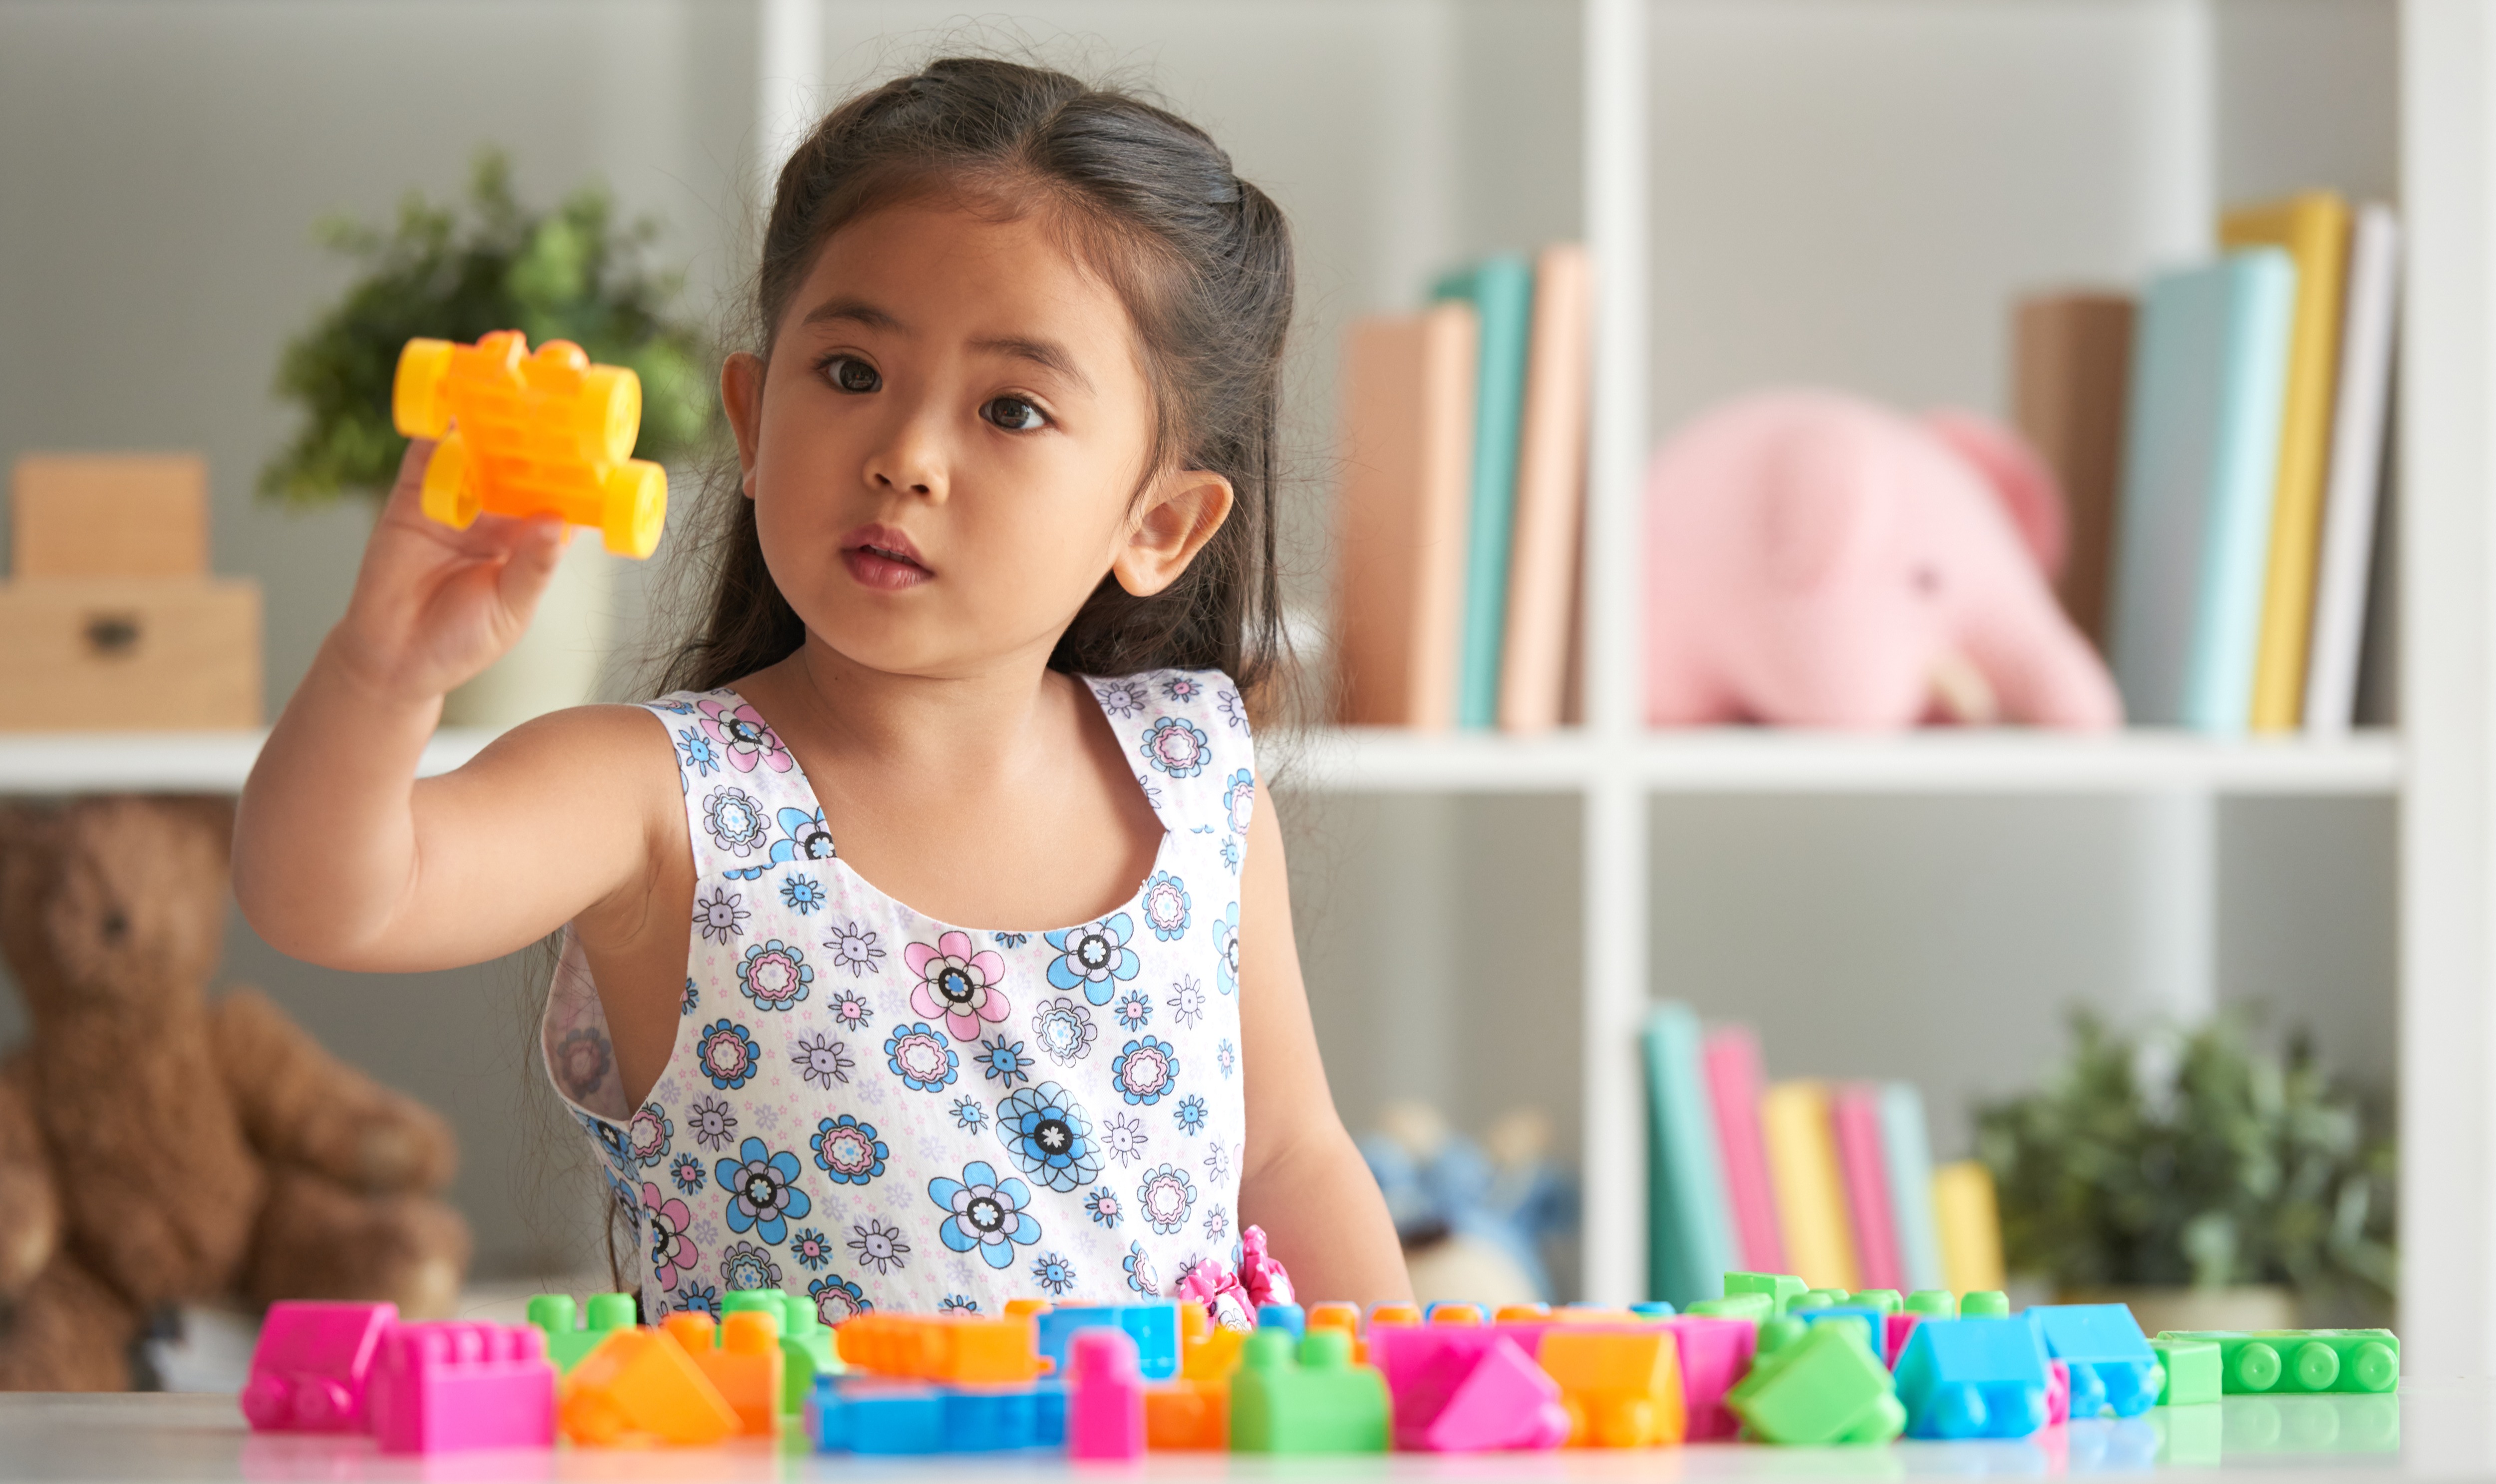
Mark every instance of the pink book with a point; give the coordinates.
(1734, 1080)
(1854, 1118)
(1550, 492)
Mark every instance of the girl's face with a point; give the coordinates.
(944, 450)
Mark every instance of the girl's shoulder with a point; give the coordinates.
(1206, 698)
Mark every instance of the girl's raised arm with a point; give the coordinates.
(344, 858)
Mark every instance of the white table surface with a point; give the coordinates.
(2428, 1430)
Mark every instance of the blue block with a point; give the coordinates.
(1154, 1327)
(2111, 1364)
(1657, 1310)
(1048, 1413)
(982, 1419)
(1980, 1378)
(1290, 1317)
(1874, 1328)
(883, 1419)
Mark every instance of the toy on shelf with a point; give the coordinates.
(640, 1385)
(1818, 1384)
(521, 435)
(309, 1369)
(1973, 1378)
(2303, 1360)
(1105, 1396)
(2112, 1368)
(567, 1341)
(449, 1387)
(1620, 1389)
(1317, 1403)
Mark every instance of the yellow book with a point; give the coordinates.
(1970, 1226)
(2314, 230)
(1811, 1196)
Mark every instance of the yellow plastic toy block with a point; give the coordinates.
(521, 435)
(1622, 1389)
(640, 1387)
(943, 1348)
(742, 1359)
(1206, 1351)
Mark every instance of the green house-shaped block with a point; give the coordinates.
(1321, 1404)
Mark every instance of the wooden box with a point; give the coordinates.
(109, 515)
(102, 654)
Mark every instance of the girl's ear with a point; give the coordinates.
(1178, 515)
(740, 391)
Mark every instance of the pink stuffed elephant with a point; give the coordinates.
(1815, 560)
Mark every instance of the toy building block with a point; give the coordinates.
(1455, 1313)
(2189, 1369)
(521, 435)
(877, 1416)
(310, 1365)
(1188, 1416)
(1207, 1351)
(1715, 1354)
(449, 1387)
(1881, 1301)
(1394, 1313)
(1105, 1396)
(1985, 1303)
(1781, 1288)
(950, 1348)
(1621, 1389)
(1754, 1308)
(1817, 1298)
(1876, 1325)
(2113, 1366)
(640, 1385)
(1652, 1308)
(2303, 1360)
(807, 1349)
(1521, 1314)
(995, 1419)
(567, 1341)
(1974, 1377)
(742, 1358)
(2058, 1393)
(1154, 1327)
(1468, 1389)
(1320, 1402)
(1025, 1307)
(1933, 1303)
(1818, 1384)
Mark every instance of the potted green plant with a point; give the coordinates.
(456, 271)
(2206, 1180)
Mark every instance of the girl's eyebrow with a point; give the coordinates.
(1047, 354)
(856, 311)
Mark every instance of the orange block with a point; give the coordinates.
(1345, 1318)
(943, 1347)
(1206, 1351)
(640, 1386)
(1394, 1313)
(743, 1360)
(1025, 1307)
(1188, 1416)
(1622, 1388)
(1521, 1314)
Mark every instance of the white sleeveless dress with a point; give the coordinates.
(883, 1110)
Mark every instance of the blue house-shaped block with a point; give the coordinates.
(1982, 1377)
(2111, 1364)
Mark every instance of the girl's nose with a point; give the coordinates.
(911, 460)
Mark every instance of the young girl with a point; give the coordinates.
(958, 965)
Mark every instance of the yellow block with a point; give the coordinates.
(1811, 1197)
(2314, 228)
(1970, 1226)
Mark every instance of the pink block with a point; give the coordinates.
(447, 1387)
(1473, 1396)
(1715, 1353)
(1896, 1330)
(308, 1370)
(1854, 1118)
(2058, 1392)
(1105, 1396)
(1730, 1056)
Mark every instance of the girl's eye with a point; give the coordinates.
(848, 373)
(1015, 414)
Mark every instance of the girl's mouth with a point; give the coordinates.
(883, 558)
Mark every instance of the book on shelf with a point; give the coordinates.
(1550, 493)
(1862, 1164)
(1906, 1149)
(2200, 463)
(1811, 1193)
(1734, 1082)
(2070, 356)
(1690, 1243)
(2313, 228)
(1970, 1222)
(2352, 487)
(1401, 514)
(1501, 291)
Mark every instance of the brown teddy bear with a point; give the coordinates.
(156, 1148)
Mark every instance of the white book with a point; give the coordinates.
(2354, 483)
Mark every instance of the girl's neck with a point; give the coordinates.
(966, 725)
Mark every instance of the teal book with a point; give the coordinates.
(1501, 291)
(1906, 1152)
(1689, 1226)
(2209, 385)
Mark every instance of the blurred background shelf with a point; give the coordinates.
(55, 762)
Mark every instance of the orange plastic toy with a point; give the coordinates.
(1345, 1318)
(1188, 1416)
(521, 435)
(640, 1387)
(944, 1349)
(1206, 1351)
(1622, 1388)
(741, 1359)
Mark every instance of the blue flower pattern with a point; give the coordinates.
(762, 1192)
(1094, 958)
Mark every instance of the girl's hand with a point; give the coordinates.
(432, 606)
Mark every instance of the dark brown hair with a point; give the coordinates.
(1203, 261)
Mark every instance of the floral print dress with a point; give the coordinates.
(883, 1110)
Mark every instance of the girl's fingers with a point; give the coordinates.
(536, 546)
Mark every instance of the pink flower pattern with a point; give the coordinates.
(742, 738)
(956, 983)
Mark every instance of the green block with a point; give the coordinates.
(1933, 1303)
(557, 1316)
(2303, 1361)
(771, 1301)
(1985, 1304)
(1881, 1301)
(1817, 1298)
(2192, 1368)
(1782, 1288)
(807, 1349)
(1757, 1308)
(1818, 1384)
(1321, 1403)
